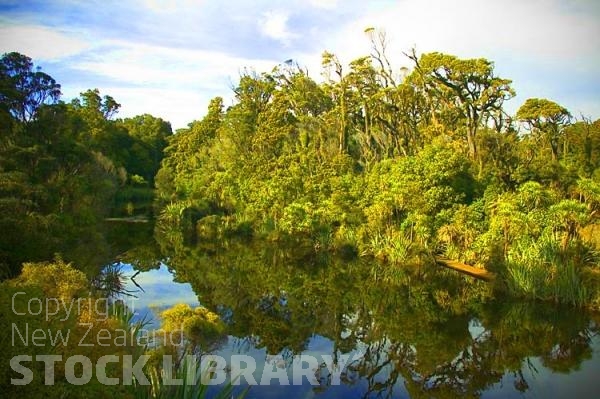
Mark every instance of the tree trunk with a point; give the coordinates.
(554, 148)
(342, 137)
(471, 142)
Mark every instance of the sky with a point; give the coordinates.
(168, 58)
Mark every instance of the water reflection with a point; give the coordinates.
(159, 290)
(429, 333)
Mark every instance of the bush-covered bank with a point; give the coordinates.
(52, 309)
(401, 168)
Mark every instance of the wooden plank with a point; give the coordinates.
(466, 269)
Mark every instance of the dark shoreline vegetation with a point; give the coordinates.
(369, 176)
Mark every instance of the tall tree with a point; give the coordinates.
(468, 86)
(545, 118)
(338, 92)
(23, 88)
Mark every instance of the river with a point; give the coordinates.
(426, 332)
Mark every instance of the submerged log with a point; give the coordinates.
(129, 219)
(476, 272)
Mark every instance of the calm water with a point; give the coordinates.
(411, 332)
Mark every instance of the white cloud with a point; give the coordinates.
(547, 46)
(175, 84)
(170, 5)
(541, 28)
(156, 65)
(39, 42)
(325, 4)
(273, 24)
(175, 105)
(179, 106)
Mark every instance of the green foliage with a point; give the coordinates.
(148, 137)
(547, 119)
(199, 325)
(64, 167)
(541, 269)
(466, 90)
(23, 88)
(77, 321)
(374, 162)
(57, 279)
(400, 168)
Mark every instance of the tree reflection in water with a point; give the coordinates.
(430, 332)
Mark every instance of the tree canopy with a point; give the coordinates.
(399, 164)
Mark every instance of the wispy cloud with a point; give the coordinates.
(40, 42)
(170, 57)
(175, 84)
(546, 46)
(145, 64)
(274, 25)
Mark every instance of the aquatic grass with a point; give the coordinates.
(134, 328)
(395, 250)
(394, 247)
(451, 251)
(400, 249)
(395, 274)
(322, 239)
(120, 312)
(526, 279)
(172, 213)
(568, 287)
(376, 244)
(346, 242)
(541, 269)
(192, 384)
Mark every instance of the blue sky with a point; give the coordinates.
(169, 58)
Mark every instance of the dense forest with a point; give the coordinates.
(306, 207)
(401, 165)
(64, 167)
(398, 164)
